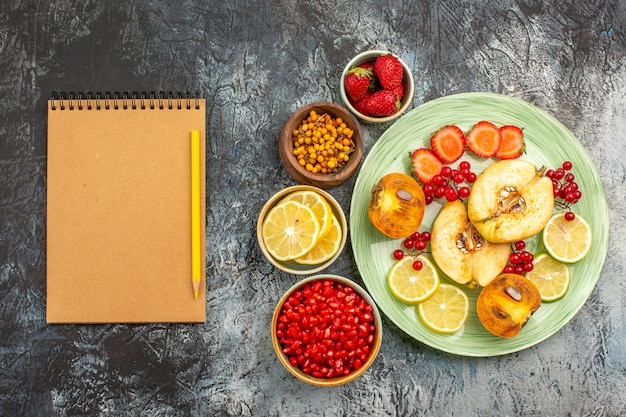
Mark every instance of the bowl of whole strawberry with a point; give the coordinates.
(326, 330)
(377, 86)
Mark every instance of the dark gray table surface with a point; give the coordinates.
(255, 62)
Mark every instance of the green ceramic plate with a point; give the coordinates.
(548, 143)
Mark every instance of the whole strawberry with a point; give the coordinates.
(381, 103)
(389, 71)
(357, 82)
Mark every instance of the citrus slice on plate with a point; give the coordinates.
(290, 230)
(446, 311)
(326, 247)
(318, 204)
(567, 240)
(410, 285)
(550, 276)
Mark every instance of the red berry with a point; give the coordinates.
(409, 243)
(425, 236)
(520, 245)
(398, 254)
(381, 103)
(420, 245)
(569, 216)
(357, 83)
(418, 265)
(567, 165)
(464, 192)
(389, 71)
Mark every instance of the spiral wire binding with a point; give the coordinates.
(81, 100)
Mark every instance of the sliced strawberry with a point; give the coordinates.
(512, 145)
(448, 143)
(425, 164)
(484, 139)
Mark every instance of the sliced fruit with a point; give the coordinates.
(511, 200)
(550, 276)
(506, 304)
(448, 143)
(318, 204)
(425, 164)
(397, 204)
(290, 230)
(461, 252)
(446, 311)
(484, 139)
(326, 247)
(512, 144)
(412, 286)
(567, 241)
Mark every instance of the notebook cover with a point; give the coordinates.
(119, 214)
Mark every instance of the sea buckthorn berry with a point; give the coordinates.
(329, 143)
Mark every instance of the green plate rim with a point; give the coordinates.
(548, 143)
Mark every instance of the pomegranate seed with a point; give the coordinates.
(326, 329)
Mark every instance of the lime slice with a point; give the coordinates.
(412, 286)
(446, 311)
(290, 230)
(567, 241)
(550, 276)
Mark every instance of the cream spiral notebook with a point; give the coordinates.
(119, 208)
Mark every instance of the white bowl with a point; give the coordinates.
(409, 86)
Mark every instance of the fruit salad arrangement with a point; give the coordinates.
(376, 88)
(478, 239)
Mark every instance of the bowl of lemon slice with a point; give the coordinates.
(302, 229)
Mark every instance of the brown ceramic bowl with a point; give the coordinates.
(293, 267)
(408, 81)
(290, 162)
(337, 380)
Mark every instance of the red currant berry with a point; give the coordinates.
(451, 195)
(416, 236)
(514, 258)
(398, 254)
(569, 177)
(520, 245)
(428, 199)
(569, 216)
(470, 178)
(528, 266)
(567, 165)
(550, 173)
(438, 179)
(509, 269)
(458, 178)
(425, 236)
(418, 265)
(440, 191)
(409, 243)
(464, 192)
(420, 245)
(446, 171)
(428, 189)
(559, 173)
(465, 165)
(519, 270)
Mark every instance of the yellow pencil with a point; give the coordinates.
(195, 211)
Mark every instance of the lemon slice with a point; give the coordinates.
(318, 204)
(446, 311)
(550, 276)
(326, 247)
(567, 241)
(290, 230)
(412, 286)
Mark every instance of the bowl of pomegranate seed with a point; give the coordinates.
(377, 86)
(326, 330)
(321, 144)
